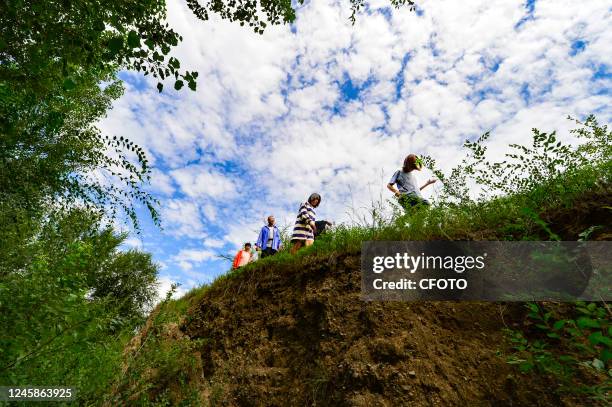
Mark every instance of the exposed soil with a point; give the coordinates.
(304, 337)
(279, 335)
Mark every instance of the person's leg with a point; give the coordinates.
(420, 202)
(410, 201)
(268, 251)
(406, 202)
(309, 242)
(297, 244)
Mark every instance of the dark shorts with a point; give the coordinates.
(410, 200)
(268, 251)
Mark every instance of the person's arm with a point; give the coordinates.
(278, 236)
(428, 183)
(311, 220)
(392, 188)
(236, 260)
(391, 184)
(259, 243)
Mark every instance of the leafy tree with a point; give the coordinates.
(526, 168)
(58, 62)
(67, 311)
(45, 42)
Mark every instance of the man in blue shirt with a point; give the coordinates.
(269, 241)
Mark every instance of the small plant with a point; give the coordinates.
(564, 346)
(526, 168)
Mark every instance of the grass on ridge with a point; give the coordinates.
(532, 185)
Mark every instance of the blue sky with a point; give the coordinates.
(326, 106)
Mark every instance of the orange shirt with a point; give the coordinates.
(242, 258)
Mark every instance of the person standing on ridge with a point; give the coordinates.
(305, 229)
(269, 241)
(242, 257)
(408, 192)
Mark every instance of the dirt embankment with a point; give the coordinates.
(305, 337)
(299, 334)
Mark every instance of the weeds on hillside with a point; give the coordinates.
(159, 355)
(567, 348)
(540, 167)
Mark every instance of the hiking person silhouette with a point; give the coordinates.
(269, 240)
(305, 228)
(408, 192)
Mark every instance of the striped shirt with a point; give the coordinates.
(302, 229)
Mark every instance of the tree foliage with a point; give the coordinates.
(45, 42)
(68, 304)
(259, 13)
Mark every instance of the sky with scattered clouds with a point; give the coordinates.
(323, 105)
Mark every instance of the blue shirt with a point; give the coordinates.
(262, 240)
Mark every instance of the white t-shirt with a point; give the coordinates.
(406, 182)
(270, 236)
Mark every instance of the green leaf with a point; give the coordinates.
(586, 322)
(558, 325)
(69, 84)
(605, 355)
(160, 86)
(597, 338)
(533, 307)
(526, 367)
(178, 84)
(99, 25)
(115, 45)
(133, 39)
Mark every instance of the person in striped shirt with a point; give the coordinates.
(304, 229)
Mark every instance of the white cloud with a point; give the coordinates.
(133, 243)
(270, 124)
(162, 183)
(214, 243)
(182, 218)
(164, 286)
(199, 181)
(188, 258)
